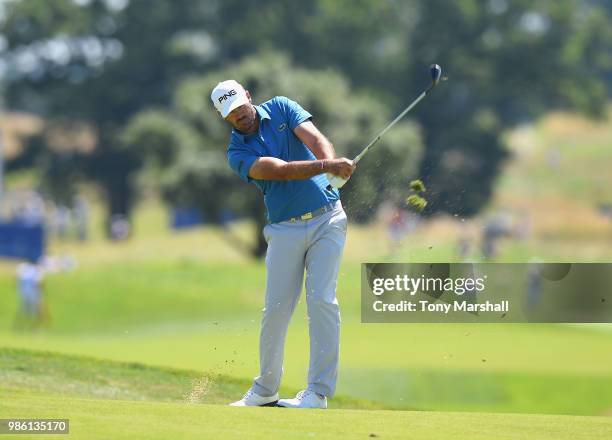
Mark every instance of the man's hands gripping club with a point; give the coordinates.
(341, 167)
(338, 169)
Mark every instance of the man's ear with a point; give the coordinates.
(248, 96)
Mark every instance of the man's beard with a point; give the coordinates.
(246, 124)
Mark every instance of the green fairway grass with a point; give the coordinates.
(52, 373)
(201, 316)
(104, 419)
(459, 367)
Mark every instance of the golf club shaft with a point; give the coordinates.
(391, 124)
(436, 73)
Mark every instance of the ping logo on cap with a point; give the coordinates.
(227, 95)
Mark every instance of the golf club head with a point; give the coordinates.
(436, 73)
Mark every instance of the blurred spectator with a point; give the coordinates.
(33, 312)
(396, 227)
(28, 208)
(464, 244)
(61, 221)
(119, 228)
(398, 222)
(496, 227)
(80, 213)
(534, 285)
(605, 209)
(524, 226)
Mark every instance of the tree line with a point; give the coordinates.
(138, 74)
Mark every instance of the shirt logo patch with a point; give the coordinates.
(282, 127)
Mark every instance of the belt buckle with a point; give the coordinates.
(306, 216)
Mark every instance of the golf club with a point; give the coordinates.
(436, 73)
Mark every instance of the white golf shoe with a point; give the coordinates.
(251, 398)
(305, 399)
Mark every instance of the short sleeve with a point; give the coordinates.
(294, 112)
(241, 161)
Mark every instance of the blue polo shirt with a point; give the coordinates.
(284, 199)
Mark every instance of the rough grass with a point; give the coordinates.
(79, 376)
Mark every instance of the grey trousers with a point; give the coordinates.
(314, 246)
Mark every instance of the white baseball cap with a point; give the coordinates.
(227, 95)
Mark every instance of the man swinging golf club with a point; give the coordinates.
(276, 146)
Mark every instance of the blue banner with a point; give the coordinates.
(22, 241)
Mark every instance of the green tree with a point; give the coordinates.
(99, 62)
(508, 62)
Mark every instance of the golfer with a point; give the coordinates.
(276, 146)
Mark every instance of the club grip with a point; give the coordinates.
(335, 181)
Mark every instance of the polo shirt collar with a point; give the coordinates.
(263, 114)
